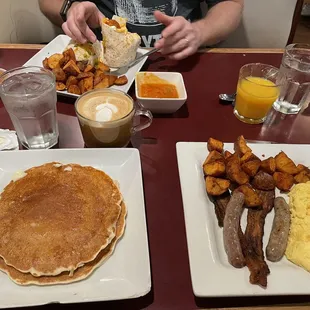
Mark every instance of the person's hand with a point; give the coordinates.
(180, 38)
(80, 18)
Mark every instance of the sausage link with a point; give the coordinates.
(231, 229)
(280, 229)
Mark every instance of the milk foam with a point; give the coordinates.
(104, 108)
(105, 112)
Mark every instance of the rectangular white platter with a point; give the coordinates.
(126, 274)
(61, 42)
(211, 273)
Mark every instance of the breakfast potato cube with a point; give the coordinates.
(302, 177)
(284, 181)
(252, 198)
(112, 79)
(82, 65)
(216, 145)
(100, 77)
(72, 80)
(69, 55)
(285, 164)
(241, 146)
(121, 80)
(234, 171)
(60, 86)
(213, 156)
(263, 181)
(60, 75)
(98, 73)
(90, 68)
(251, 167)
(71, 68)
(45, 64)
(227, 154)
(53, 61)
(104, 83)
(269, 165)
(84, 75)
(62, 62)
(248, 156)
(74, 89)
(86, 84)
(301, 167)
(214, 169)
(101, 66)
(216, 186)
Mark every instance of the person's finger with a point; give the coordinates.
(160, 43)
(183, 54)
(66, 30)
(100, 17)
(163, 18)
(83, 27)
(176, 26)
(175, 48)
(76, 31)
(179, 36)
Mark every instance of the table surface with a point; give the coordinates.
(206, 75)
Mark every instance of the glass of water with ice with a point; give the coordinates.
(29, 96)
(295, 92)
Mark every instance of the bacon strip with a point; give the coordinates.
(252, 241)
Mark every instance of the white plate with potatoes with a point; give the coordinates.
(211, 272)
(59, 44)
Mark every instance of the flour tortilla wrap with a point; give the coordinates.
(119, 48)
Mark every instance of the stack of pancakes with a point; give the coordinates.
(58, 223)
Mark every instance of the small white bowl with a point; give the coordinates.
(163, 105)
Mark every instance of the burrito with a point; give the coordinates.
(119, 46)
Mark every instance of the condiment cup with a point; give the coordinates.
(163, 105)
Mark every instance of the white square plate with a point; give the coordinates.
(212, 275)
(123, 275)
(60, 43)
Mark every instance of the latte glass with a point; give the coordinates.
(116, 133)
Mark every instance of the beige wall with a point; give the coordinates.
(22, 22)
(265, 24)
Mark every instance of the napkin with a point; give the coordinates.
(8, 140)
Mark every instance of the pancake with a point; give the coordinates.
(57, 218)
(80, 273)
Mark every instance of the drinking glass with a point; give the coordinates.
(258, 88)
(295, 93)
(29, 96)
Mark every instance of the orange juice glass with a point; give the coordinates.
(258, 88)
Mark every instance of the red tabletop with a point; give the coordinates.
(206, 75)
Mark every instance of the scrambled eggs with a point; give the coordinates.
(298, 247)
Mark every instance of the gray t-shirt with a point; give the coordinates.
(139, 14)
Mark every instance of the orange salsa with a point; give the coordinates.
(158, 90)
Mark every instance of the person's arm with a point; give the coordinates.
(220, 21)
(181, 38)
(51, 9)
(81, 17)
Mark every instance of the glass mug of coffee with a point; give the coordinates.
(106, 118)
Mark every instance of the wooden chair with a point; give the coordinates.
(266, 24)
